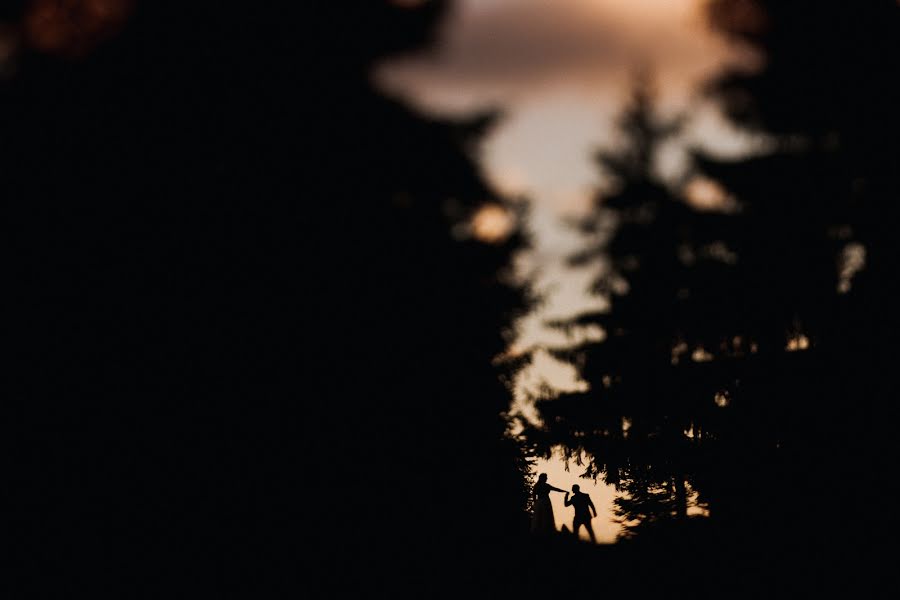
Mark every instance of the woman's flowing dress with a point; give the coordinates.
(542, 520)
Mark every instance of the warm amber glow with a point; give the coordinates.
(695, 507)
(492, 224)
(73, 27)
(797, 342)
(560, 475)
(721, 399)
(701, 355)
(708, 195)
(677, 350)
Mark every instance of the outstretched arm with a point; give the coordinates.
(556, 489)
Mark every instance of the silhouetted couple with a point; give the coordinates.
(543, 521)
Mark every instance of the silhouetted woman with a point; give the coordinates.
(542, 521)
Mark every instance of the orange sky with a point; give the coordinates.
(560, 71)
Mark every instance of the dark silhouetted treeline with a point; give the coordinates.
(747, 368)
(250, 352)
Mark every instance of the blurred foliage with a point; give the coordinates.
(744, 359)
(249, 325)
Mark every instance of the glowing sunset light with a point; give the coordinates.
(492, 224)
(721, 399)
(797, 342)
(705, 194)
(700, 354)
(561, 475)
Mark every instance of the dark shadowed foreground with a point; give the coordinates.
(255, 350)
(251, 350)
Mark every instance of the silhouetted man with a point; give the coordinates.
(584, 507)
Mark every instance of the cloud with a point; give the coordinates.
(494, 52)
(561, 71)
